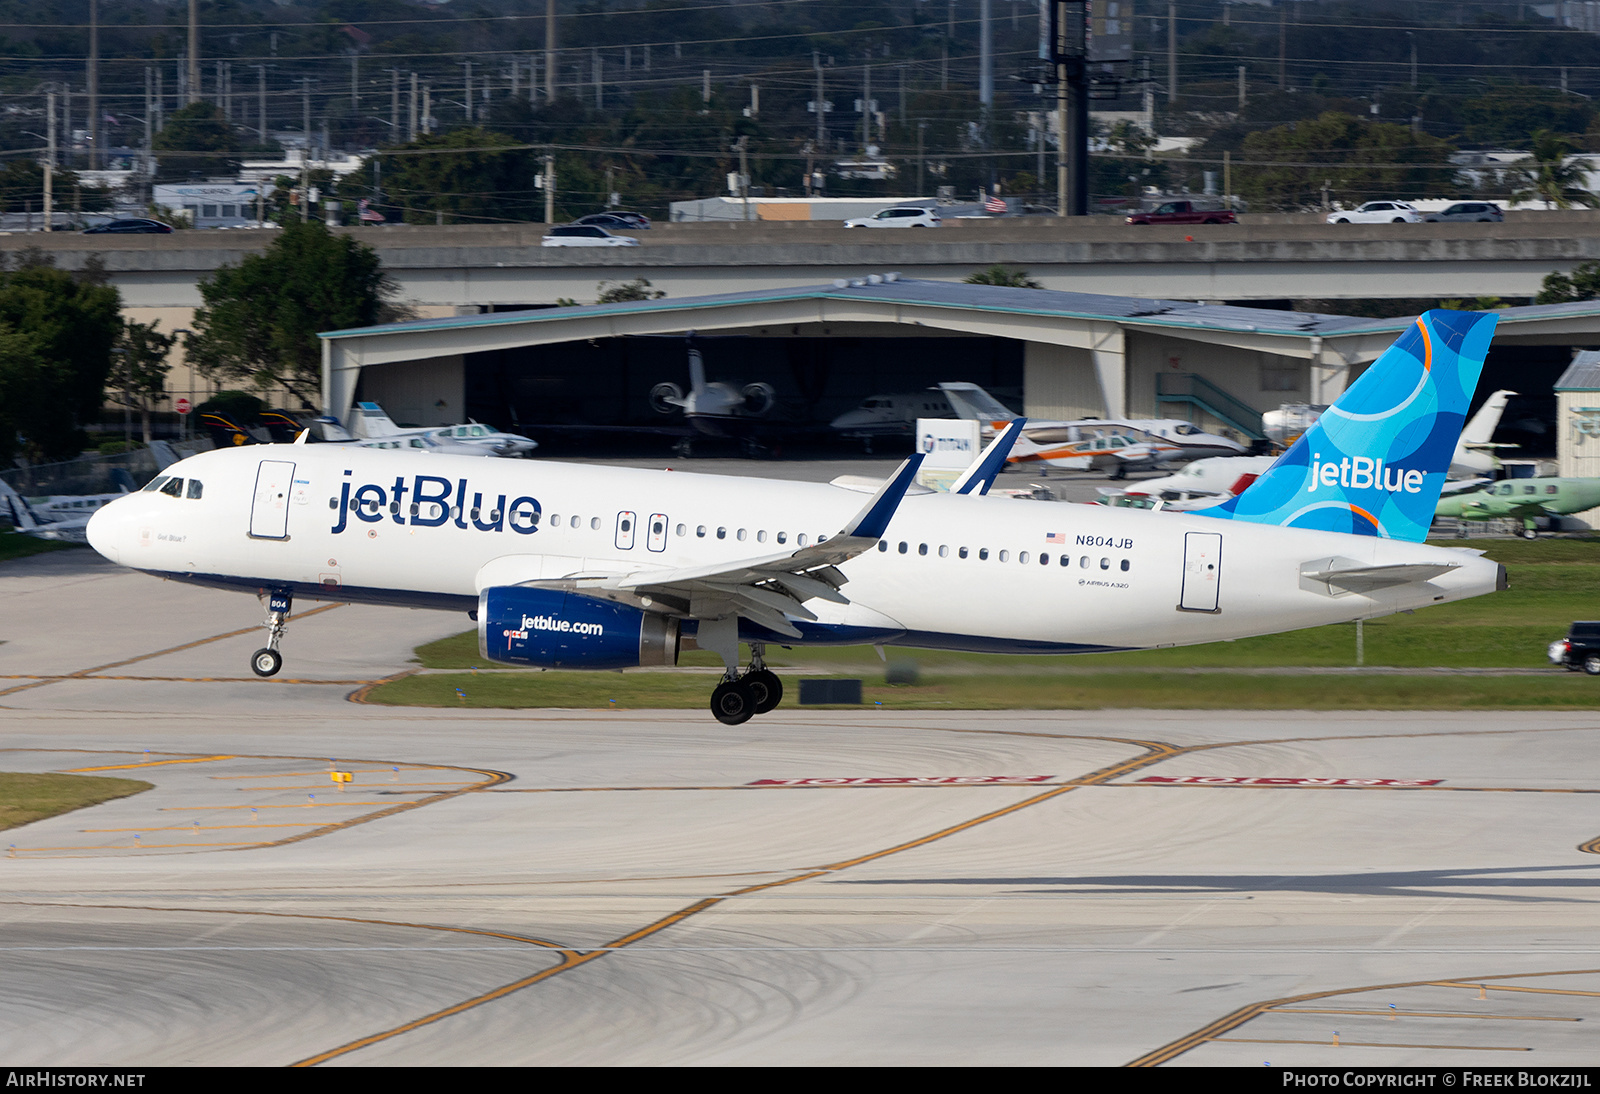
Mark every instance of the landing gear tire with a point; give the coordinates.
(766, 688)
(1591, 665)
(733, 702)
(1530, 533)
(1118, 472)
(266, 662)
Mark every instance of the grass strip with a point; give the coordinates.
(25, 798)
(17, 545)
(1018, 691)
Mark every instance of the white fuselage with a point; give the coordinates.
(951, 571)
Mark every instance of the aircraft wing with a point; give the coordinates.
(763, 589)
(766, 589)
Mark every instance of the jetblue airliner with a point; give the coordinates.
(582, 567)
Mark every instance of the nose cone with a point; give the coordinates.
(101, 530)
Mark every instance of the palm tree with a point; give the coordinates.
(1552, 178)
(1005, 277)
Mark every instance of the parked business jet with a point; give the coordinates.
(584, 567)
(1474, 456)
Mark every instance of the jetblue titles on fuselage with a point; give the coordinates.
(434, 502)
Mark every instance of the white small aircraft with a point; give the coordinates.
(1115, 445)
(375, 429)
(65, 516)
(892, 415)
(586, 567)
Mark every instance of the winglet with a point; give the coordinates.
(305, 435)
(874, 518)
(986, 468)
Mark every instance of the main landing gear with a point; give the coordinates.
(757, 691)
(267, 661)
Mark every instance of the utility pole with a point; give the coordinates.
(1413, 39)
(413, 129)
(1068, 45)
(95, 159)
(50, 156)
(549, 188)
(394, 105)
(597, 65)
(355, 82)
(194, 53)
(1172, 51)
(550, 46)
(305, 110)
(149, 134)
(985, 62)
(866, 103)
(1283, 47)
(744, 174)
(467, 98)
(921, 127)
(261, 103)
(816, 63)
(427, 107)
(1241, 87)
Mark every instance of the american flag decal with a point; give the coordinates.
(1056, 537)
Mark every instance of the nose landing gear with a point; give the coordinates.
(267, 661)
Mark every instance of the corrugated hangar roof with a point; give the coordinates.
(947, 294)
(1583, 374)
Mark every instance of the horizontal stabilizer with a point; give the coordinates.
(1341, 575)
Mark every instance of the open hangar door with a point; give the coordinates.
(606, 383)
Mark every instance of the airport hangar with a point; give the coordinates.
(1058, 355)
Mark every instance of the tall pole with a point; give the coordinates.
(985, 61)
(355, 82)
(50, 156)
(816, 63)
(261, 103)
(467, 98)
(1172, 50)
(95, 159)
(549, 188)
(866, 104)
(413, 128)
(394, 105)
(194, 53)
(305, 111)
(550, 46)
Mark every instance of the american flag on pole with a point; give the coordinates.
(994, 203)
(1056, 537)
(365, 213)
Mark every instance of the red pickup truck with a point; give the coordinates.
(1183, 212)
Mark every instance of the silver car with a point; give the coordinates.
(1378, 212)
(1480, 212)
(585, 235)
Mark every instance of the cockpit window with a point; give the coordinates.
(1186, 430)
(173, 488)
(158, 482)
(195, 488)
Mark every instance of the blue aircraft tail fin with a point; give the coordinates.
(1374, 463)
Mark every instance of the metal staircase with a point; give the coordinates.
(1195, 390)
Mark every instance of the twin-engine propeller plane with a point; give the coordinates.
(583, 567)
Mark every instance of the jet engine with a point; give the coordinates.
(759, 398)
(551, 628)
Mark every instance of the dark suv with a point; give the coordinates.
(1580, 649)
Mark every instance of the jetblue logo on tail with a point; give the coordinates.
(1375, 461)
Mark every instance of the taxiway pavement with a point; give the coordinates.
(627, 887)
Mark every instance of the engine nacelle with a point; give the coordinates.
(553, 629)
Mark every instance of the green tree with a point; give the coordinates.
(197, 141)
(56, 333)
(465, 178)
(1288, 166)
(622, 291)
(1553, 178)
(1003, 276)
(260, 319)
(1582, 284)
(139, 366)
